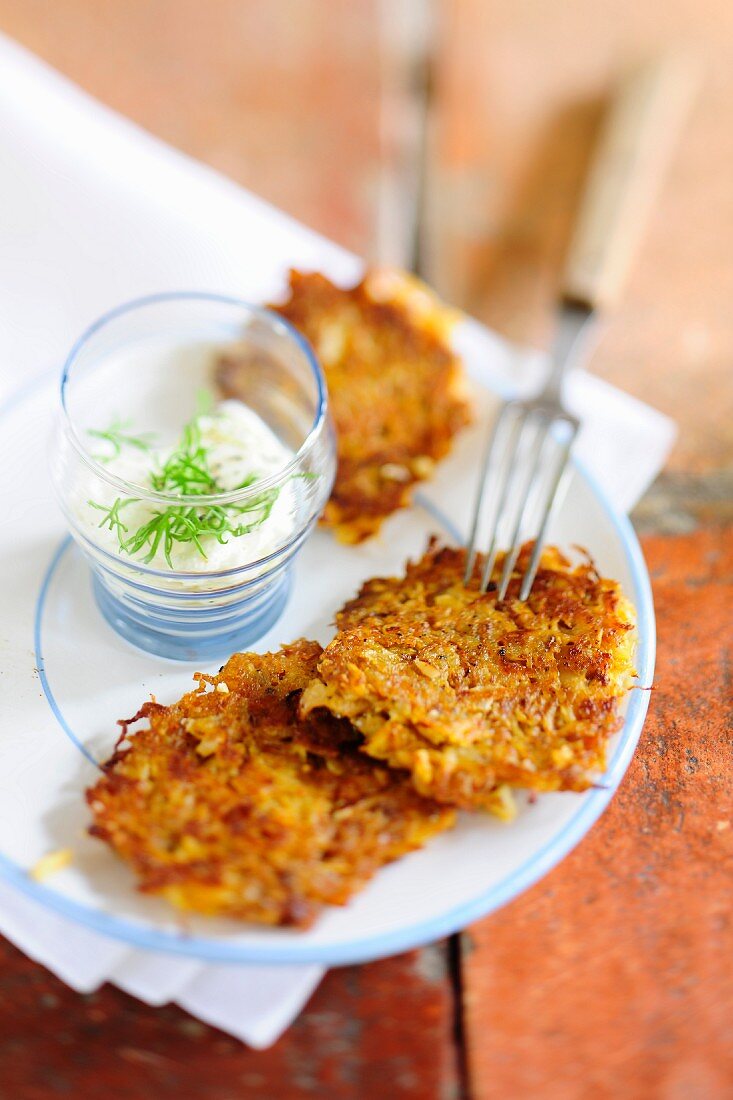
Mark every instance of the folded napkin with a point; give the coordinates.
(95, 211)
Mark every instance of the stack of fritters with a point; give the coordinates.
(286, 781)
(471, 695)
(227, 803)
(396, 389)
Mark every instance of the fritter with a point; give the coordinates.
(396, 389)
(228, 804)
(471, 694)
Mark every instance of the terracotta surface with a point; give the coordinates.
(383, 1029)
(611, 977)
(536, 77)
(247, 87)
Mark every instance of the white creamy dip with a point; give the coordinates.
(239, 446)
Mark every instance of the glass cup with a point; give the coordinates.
(140, 368)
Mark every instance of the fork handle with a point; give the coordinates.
(635, 145)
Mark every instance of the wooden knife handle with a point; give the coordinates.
(635, 145)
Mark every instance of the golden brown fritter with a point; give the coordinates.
(396, 389)
(470, 694)
(226, 803)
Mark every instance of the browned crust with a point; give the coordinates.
(396, 388)
(468, 693)
(228, 804)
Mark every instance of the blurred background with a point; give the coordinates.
(454, 130)
(453, 136)
(465, 123)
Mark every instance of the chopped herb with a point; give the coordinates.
(188, 523)
(111, 517)
(118, 436)
(204, 403)
(186, 472)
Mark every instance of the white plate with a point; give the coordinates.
(66, 677)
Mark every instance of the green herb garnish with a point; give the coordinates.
(186, 472)
(190, 524)
(118, 436)
(111, 517)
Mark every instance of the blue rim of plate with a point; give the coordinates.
(368, 948)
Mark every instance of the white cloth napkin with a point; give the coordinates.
(94, 211)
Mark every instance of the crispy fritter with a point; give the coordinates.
(395, 387)
(226, 803)
(471, 694)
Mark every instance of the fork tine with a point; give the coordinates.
(560, 471)
(499, 424)
(515, 542)
(504, 487)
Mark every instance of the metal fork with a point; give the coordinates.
(529, 448)
(536, 429)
